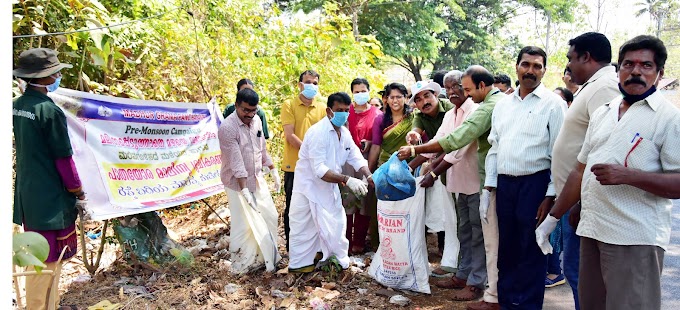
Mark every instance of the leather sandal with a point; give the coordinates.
(467, 294)
(452, 283)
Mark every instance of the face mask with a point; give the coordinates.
(339, 118)
(635, 98)
(50, 88)
(310, 90)
(361, 98)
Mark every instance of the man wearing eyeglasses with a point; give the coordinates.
(627, 172)
(254, 219)
(476, 126)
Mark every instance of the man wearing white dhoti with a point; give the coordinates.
(254, 219)
(317, 218)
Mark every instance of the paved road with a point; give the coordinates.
(560, 298)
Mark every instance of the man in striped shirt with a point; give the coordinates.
(524, 127)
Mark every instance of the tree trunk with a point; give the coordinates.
(355, 23)
(414, 67)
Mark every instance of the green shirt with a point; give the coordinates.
(231, 108)
(431, 124)
(477, 126)
(41, 201)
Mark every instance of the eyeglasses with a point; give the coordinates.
(454, 87)
(250, 111)
(395, 97)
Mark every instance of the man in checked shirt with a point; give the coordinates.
(627, 172)
(524, 127)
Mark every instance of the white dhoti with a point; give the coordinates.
(316, 228)
(253, 232)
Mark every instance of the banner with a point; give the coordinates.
(135, 156)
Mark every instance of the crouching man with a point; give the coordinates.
(254, 219)
(317, 218)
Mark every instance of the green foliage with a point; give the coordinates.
(30, 249)
(198, 49)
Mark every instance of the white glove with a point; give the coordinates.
(81, 205)
(266, 170)
(543, 234)
(484, 202)
(358, 187)
(412, 137)
(277, 180)
(249, 197)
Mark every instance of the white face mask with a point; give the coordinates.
(361, 98)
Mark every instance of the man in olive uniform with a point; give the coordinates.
(47, 185)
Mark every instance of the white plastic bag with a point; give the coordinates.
(401, 260)
(451, 242)
(437, 199)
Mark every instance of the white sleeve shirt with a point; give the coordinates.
(523, 132)
(320, 152)
(645, 138)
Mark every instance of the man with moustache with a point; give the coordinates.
(475, 127)
(244, 154)
(589, 62)
(524, 127)
(627, 172)
(426, 121)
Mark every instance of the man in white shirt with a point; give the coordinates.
(317, 218)
(589, 57)
(627, 173)
(524, 127)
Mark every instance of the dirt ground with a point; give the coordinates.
(208, 284)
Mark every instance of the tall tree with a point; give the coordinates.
(658, 10)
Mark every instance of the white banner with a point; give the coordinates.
(136, 156)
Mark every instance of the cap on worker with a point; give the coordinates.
(423, 85)
(38, 63)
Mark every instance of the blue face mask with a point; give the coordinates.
(339, 118)
(635, 98)
(52, 87)
(361, 98)
(310, 90)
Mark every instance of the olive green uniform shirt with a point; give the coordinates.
(429, 124)
(41, 201)
(477, 126)
(231, 108)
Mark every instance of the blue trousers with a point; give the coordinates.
(571, 243)
(521, 264)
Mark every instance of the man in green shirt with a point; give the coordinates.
(431, 110)
(241, 84)
(477, 126)
(47, 185)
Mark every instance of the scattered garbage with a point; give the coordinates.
(224, 213)
(280, 294)
(362, 291)
(357, 261)
(231, 288)
(135, 290)
(318, 304)
(82, 278)
(92, 235)
(223, 243)
(399, 300)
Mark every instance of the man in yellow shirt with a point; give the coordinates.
(297, 115)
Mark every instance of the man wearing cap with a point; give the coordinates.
(476, 126)
(44, 163)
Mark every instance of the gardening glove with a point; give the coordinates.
(84, 212)
(543, 234)
(484, 202)
(412, 138)
(266, 170)
(358, 187)
(277, 180)
(249, 197)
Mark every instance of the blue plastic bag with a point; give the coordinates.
(393, 181)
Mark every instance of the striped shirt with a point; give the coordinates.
(523, 132)
(244, 151)
(646, 138)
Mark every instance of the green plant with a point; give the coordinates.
(30, 249)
